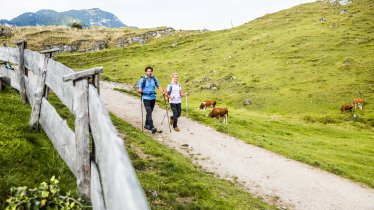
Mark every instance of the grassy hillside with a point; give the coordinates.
(169, 180)
(297, 67)
(288, 62)
(26, 158)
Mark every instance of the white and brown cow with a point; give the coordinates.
(220, 112)
(207, 103)
(358, 102)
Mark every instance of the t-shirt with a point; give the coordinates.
(149, 92)
(175, 92)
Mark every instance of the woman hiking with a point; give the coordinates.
(174, 91)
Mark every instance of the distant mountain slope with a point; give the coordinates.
(307, 59)
(87, 17)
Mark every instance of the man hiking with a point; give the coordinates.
(146, 87)
(174, 91)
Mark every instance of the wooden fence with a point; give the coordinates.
(104, 173)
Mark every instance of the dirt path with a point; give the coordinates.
(279, 180)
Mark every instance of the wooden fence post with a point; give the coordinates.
(51, 54)
(96, 82)
(1, 81)
(35, 114)
(80, 110)
(82, 136)
(21, 69)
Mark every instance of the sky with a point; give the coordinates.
(179, 14)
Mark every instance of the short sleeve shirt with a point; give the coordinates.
(175, 92)
(149, 92)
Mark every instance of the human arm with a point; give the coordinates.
(183, 94)
(162, 90)
(139, 87)
(159, 87)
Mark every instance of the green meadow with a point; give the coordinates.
(26, 158)
(169, 180)
(296, 66)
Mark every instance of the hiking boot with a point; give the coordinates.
(171, 120)
(176, 129)
(154, 130)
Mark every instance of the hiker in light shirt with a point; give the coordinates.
(174, 92)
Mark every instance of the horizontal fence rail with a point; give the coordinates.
(109, 179)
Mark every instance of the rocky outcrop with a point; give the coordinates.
(247, 102)
(143, 38)
(81, 46)
(338, 2)
(64, 48)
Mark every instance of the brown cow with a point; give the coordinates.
(220, 112)
(207, 103)
(358, 102)
(346, 107)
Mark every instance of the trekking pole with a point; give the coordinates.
(163, 117)
(187, 105)
(167, 114)
(141, 108)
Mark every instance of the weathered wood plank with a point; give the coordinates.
(82, 136)
(21, 70)
(19, 41)
(83, 74)
(1, 82)
(50, 56)
(46, 93)
(9, 54)
(50, 50)
(64, 90)
(34, 61)
(97, 198)
(11, 77)
(119, 183)
(96, 82)
(63, 138)
(38, 94)
(30, 90)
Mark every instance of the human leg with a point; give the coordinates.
(149, 105)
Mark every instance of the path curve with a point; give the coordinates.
(276, 179)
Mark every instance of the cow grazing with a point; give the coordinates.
(346, 107)
(207, 103)
(358, 102)
(220, 112)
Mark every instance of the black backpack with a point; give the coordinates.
(144, 81)
(171, 88)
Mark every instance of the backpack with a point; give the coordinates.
(144, 81)
(171, 88)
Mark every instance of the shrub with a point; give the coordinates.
(5, 32)
(46, 196)
(76, 25)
